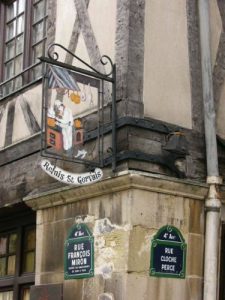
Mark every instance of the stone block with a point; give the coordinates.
(195, 252)
(136, 287)
(46, 291)
(71, 288)
(167, 289)
(92, 287)
(139, 250)
(106, 296)
(111, 252)
(195, 288)
(50, 277)
(196, 220)
(155, 209)
(116, 285)
(52, 252)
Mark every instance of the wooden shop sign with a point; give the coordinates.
(79, 253)
(168, 253)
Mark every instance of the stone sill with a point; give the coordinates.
(122, 181)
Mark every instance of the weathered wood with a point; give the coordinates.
(73, 43)
(10, 123)
(20, 178)
(90, 42)
(2, 110)
(29, 117)
(130, 56)
(88, 34)
(195, 66)
(74, 37)
(20, 150)
(51, 21)
(21, 174)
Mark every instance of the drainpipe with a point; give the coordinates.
(212, 203)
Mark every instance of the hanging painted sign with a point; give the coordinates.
(168, 253)
(74, 117)
(79, 253)
(74, 100)
(70, 98)
(68, 177)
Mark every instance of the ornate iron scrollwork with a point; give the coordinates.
(104, 59)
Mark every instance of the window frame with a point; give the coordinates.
(28, 64)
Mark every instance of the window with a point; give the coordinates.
(17, 255)
(23, 31)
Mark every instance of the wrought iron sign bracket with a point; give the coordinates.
(74, 104)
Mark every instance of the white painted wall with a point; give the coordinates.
(102, 15)
(167, 92)
(216, 30)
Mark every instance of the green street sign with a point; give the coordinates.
(168, 253)
(79, 253)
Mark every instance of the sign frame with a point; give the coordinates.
(161, 239)
(72, 240)
(98, 133)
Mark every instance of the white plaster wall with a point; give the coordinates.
(221, 114)
(167, 93)
(103, 20)
(20, 129)
(215, 28)
(102, 15)
(34, 99)
(65, 17)
(215, 33)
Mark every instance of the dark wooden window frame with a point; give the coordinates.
(28, 65)
(17, 223)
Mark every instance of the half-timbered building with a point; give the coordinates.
(144, 123)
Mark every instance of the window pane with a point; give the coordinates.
(30, 239)
(37, 71)
(9, 70)
(18, 82)
(38, 32)
(19, 44)
(2, 266)
(18, 64)
(25, 294)
(7, 88)
(20, 24)
(3, 242)
(12, 242)
(29, 262)
(39, 10)
(21, 6)
(6, 295)
(37, 52)
(11, 30)
(11, 11)
(9, 51)
(11, 265)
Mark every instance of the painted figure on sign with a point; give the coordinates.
(64, 119)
